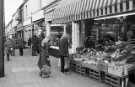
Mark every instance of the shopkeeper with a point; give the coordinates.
(89, 43)
(120, 40)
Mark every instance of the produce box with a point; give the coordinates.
(91, 65)
(117, 70)
(115, 81)
(102, 66)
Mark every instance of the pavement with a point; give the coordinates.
(22, 71)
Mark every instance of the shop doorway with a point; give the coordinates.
(130, 20)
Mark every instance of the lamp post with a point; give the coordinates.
(2, 38)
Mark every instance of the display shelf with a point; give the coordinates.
(72, 66)
(77, 67)
(80, 69)
(94, 74)
(115, 81)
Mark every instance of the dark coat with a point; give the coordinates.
(63, 45)
(35, 43)
(20, 43)
(44, 55)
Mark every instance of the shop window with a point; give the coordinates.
(109, 32)
(131, 32)
(127, 5)
(105, 10)
(133, 3)
(110, 7)
(115, 6)
(121, 7)
(93, 13)
(97, 12)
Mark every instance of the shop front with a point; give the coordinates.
(83, 15)
(104, 30)
(39, 27)
(28, 29)
(38, 22)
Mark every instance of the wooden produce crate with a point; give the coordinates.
(72, 65)
(102, 66)
(95, 74)
(115, 81)
(91, 66)
(117, 70)
(80, 69)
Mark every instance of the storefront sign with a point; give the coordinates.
(27, 22)
(38, 15)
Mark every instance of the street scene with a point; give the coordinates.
(67, 43)
(22, 71)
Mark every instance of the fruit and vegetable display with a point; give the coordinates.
(114, 59)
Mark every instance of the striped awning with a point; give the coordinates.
(73, 10)
(48, 16)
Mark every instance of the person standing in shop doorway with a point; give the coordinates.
(20, 46)
(35, 43)
(64, 45)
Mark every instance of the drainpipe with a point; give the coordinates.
(2, 38)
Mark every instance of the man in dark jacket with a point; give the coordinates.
(63, 45)
(20, 46)
(35, 43)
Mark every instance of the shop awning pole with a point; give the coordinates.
(2, 24)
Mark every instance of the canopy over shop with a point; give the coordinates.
(76, 10)
(73, 10)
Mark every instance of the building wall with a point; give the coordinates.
(46, 2)
(31, 7)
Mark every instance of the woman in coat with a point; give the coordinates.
(44, 62)
(64, 45)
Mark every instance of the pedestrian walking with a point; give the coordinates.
(64, 54)
(44, 62)
(13, 46)
(20, 46)
(8, 47)
(29, 42)
(35, 43)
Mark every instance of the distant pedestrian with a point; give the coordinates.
(64, 45)
(29, 42)
(20, 46)
(13, 47)
(41, 37)
(8, 47)
(35, 43)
